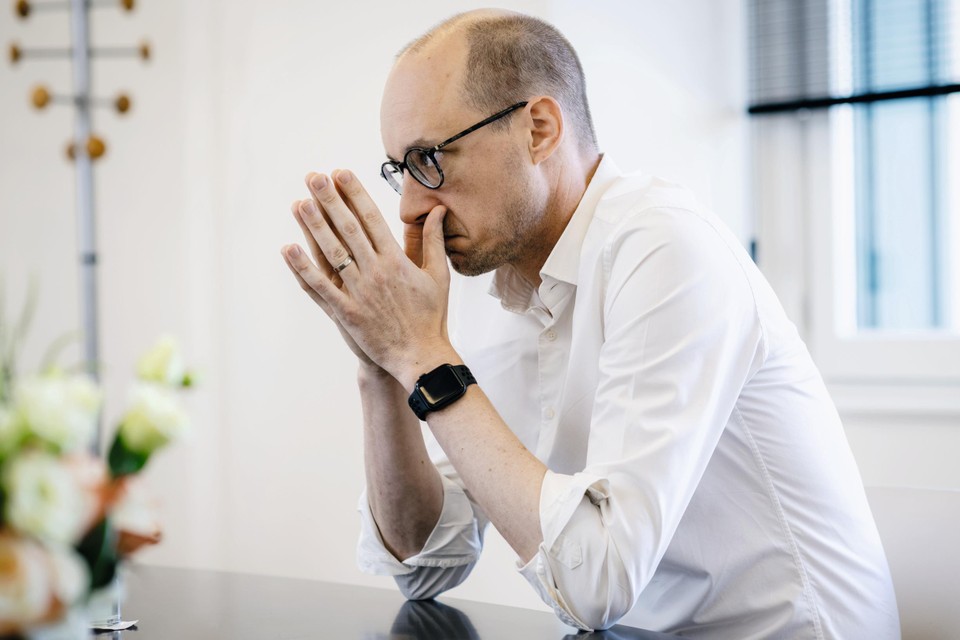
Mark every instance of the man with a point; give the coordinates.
(646, 431)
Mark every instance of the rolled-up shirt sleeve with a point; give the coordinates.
(681, 336)
(447, 557)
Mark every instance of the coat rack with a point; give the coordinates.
(86, 147)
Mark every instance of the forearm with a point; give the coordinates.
(503, 477)
(501, 474)
(403, 486)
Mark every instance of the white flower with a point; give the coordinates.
(34, 578)
(61, 410)
(71, 575)
(154, 418)
(162, 363)
(92, 478)
(43, 498)
(26, 585)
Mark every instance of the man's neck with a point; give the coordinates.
(572, 183)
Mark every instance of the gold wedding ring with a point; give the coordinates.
(343, 265)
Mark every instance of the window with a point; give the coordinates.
(856, 145)
(904, 213)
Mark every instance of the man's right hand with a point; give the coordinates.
(297, 208)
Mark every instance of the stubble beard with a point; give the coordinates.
(516, 238)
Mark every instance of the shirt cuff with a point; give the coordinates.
(454, 541)
(560, 497)
(537, 572)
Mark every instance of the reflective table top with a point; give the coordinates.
(188, 604)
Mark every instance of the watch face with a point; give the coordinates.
(441, 385)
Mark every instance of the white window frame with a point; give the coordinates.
(805, 248)
(804, 216)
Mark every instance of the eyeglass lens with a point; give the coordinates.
(393, 175)
(422, 167)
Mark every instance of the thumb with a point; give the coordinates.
(434, 256)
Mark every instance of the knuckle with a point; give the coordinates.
(329, 196)
(315, 220)
(337, 255)
(351, 228)
(319, 285)
(349, 316)
(351, 188)
(370, 216)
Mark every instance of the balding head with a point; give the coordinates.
(509, 188)
(509, 58)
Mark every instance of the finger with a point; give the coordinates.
(413, 242)
(341, 218)
(321, 260)
(330, 245)
(320, 288)
(366, 210)
(434, 256)
(303, 283)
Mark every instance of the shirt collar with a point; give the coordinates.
(563, 263)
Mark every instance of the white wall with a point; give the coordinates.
(240, 101)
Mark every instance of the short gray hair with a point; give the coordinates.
(514, 56)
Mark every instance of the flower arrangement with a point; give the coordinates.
(68, 517)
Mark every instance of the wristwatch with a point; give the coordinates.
(439, 388)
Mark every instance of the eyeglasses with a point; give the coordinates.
(423, 163)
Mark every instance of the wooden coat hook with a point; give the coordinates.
(96, 147)
(23, 8)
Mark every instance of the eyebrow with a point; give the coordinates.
(419, 143)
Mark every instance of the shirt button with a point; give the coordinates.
(551, 335)
(549, 413)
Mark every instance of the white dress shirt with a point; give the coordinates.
(699, 478)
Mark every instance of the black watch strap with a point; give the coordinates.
(419, 403)
(465, 374)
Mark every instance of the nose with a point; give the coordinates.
(416, 201)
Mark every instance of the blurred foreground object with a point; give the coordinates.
(67, 517)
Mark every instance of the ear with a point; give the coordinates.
(546, 127)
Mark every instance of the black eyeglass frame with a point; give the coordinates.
(401, 167)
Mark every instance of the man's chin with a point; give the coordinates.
(460, 263)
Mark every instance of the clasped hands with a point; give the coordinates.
(390, 304)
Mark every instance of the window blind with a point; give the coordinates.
(808, 54)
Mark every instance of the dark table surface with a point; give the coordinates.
(189, 604)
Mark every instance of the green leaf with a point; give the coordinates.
(99, 550)
(22, 327)
(3, 505)
(123, 461)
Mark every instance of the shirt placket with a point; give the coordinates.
(550, 360)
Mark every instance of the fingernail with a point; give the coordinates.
(307, 208)
(295, 251)
(344, 177)
(319, 182)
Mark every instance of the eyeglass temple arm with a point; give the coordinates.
(482, 123)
